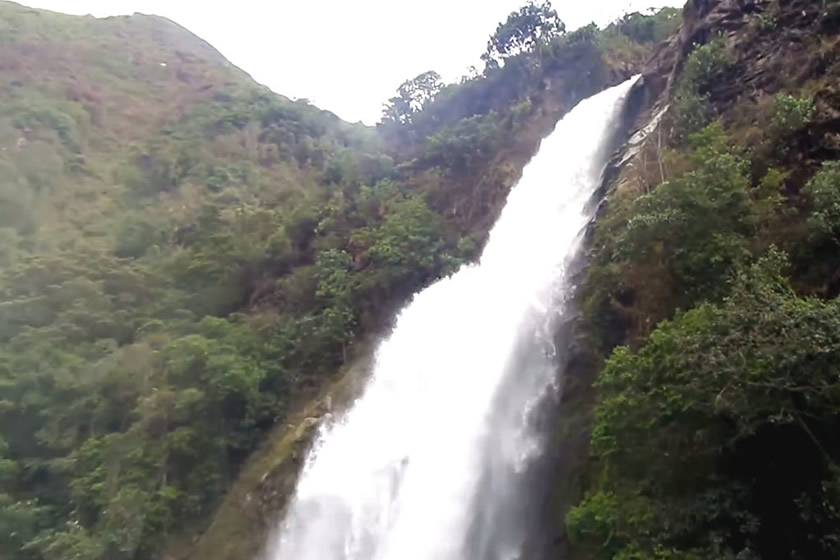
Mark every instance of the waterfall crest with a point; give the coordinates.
(425, 465)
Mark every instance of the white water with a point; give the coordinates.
(425, 464)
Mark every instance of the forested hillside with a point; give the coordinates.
(713, 291)
(187, 257)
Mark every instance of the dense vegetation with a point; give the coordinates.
(713, 291)
(185, 256)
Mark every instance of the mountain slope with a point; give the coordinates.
(132, 74)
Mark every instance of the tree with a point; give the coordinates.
(412, 96)
(531, 25)
(824, 190)
(466, 143)
(406, 249)
(717, 437)
(650, 27)
(695, 228)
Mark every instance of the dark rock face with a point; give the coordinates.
(768, 51)
(773, 47)
(772, 50)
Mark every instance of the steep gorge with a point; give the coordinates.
(188, 260)
(193, 272)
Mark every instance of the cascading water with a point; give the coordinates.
(425, 464)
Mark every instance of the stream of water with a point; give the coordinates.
(427, 463)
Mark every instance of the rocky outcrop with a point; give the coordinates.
(772, 47)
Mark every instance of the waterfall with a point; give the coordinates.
(427, 464)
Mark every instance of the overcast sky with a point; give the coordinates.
(347, 56)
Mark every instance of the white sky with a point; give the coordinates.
(347, 56)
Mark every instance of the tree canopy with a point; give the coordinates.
(525, 29)
(412, 96)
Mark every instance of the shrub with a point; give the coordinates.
(702, 68)
(790, 114)
(824, 190)
(722, 404)
(695, 226)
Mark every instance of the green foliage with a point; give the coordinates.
(653, 27)
(717, 407)
(530, 47)
(767, 21)
(160, 167)
(529, 27)
(790, 114)
(137, 235)
(688, 235)
(468, 143)
(30, 118)
(714, 439)
(704, 65)
(824, 190)
(411, 97)
(702, 68)
(407, 248)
